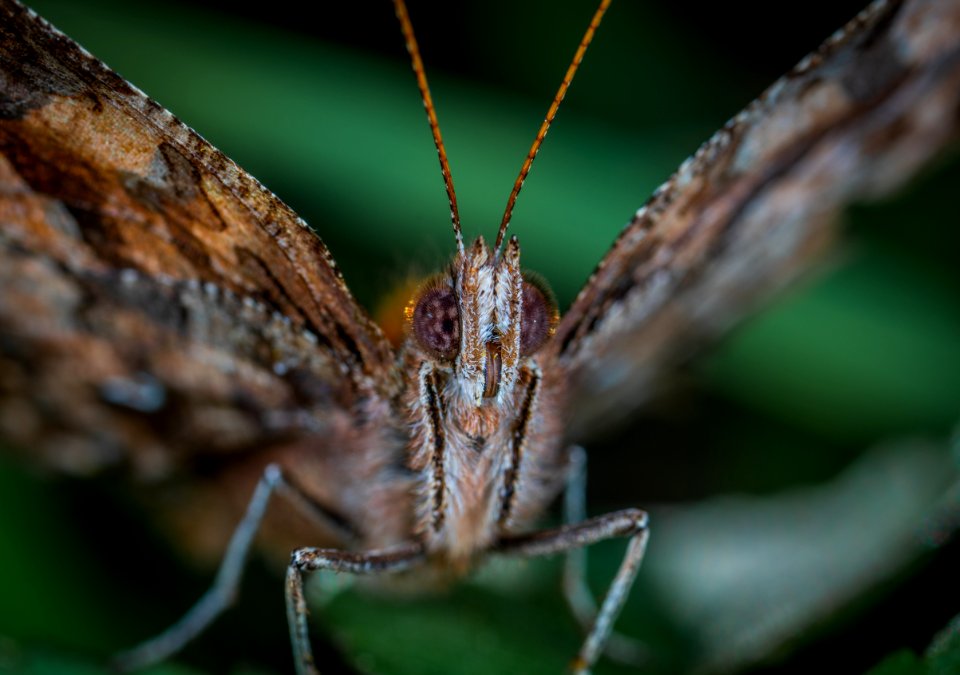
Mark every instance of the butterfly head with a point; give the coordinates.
(481, 318)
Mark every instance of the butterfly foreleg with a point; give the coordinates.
(306, 560)
(577, 593)
(630, 523)
(220, 595)
(582, 604)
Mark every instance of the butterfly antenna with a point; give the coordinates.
(414, 50)
(551, 113)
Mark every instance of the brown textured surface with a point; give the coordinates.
(149, 248)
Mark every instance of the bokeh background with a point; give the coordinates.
(801, 473)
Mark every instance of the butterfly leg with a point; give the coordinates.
(627, 523)
(306, 560)
(222, 593)
(582, 604)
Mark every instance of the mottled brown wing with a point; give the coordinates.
(157, 304)
(758, 201)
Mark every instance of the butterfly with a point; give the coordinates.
(130, 398)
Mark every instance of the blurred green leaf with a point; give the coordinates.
(902, 663)
(942, 658)
(944, 653)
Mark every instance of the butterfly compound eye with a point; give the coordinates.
(539, 318)
(436, 321)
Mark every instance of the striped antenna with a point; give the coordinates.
(414, 50)
(551, 113)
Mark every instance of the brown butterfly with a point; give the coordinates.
(216, 326)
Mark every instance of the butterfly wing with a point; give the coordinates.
(749, 211)
(160, 309)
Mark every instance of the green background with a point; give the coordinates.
(862, 362)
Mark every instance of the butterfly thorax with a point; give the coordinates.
(473, 400)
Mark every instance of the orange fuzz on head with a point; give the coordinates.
(391, 309)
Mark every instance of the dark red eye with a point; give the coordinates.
(436, 320)
(539, 317)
